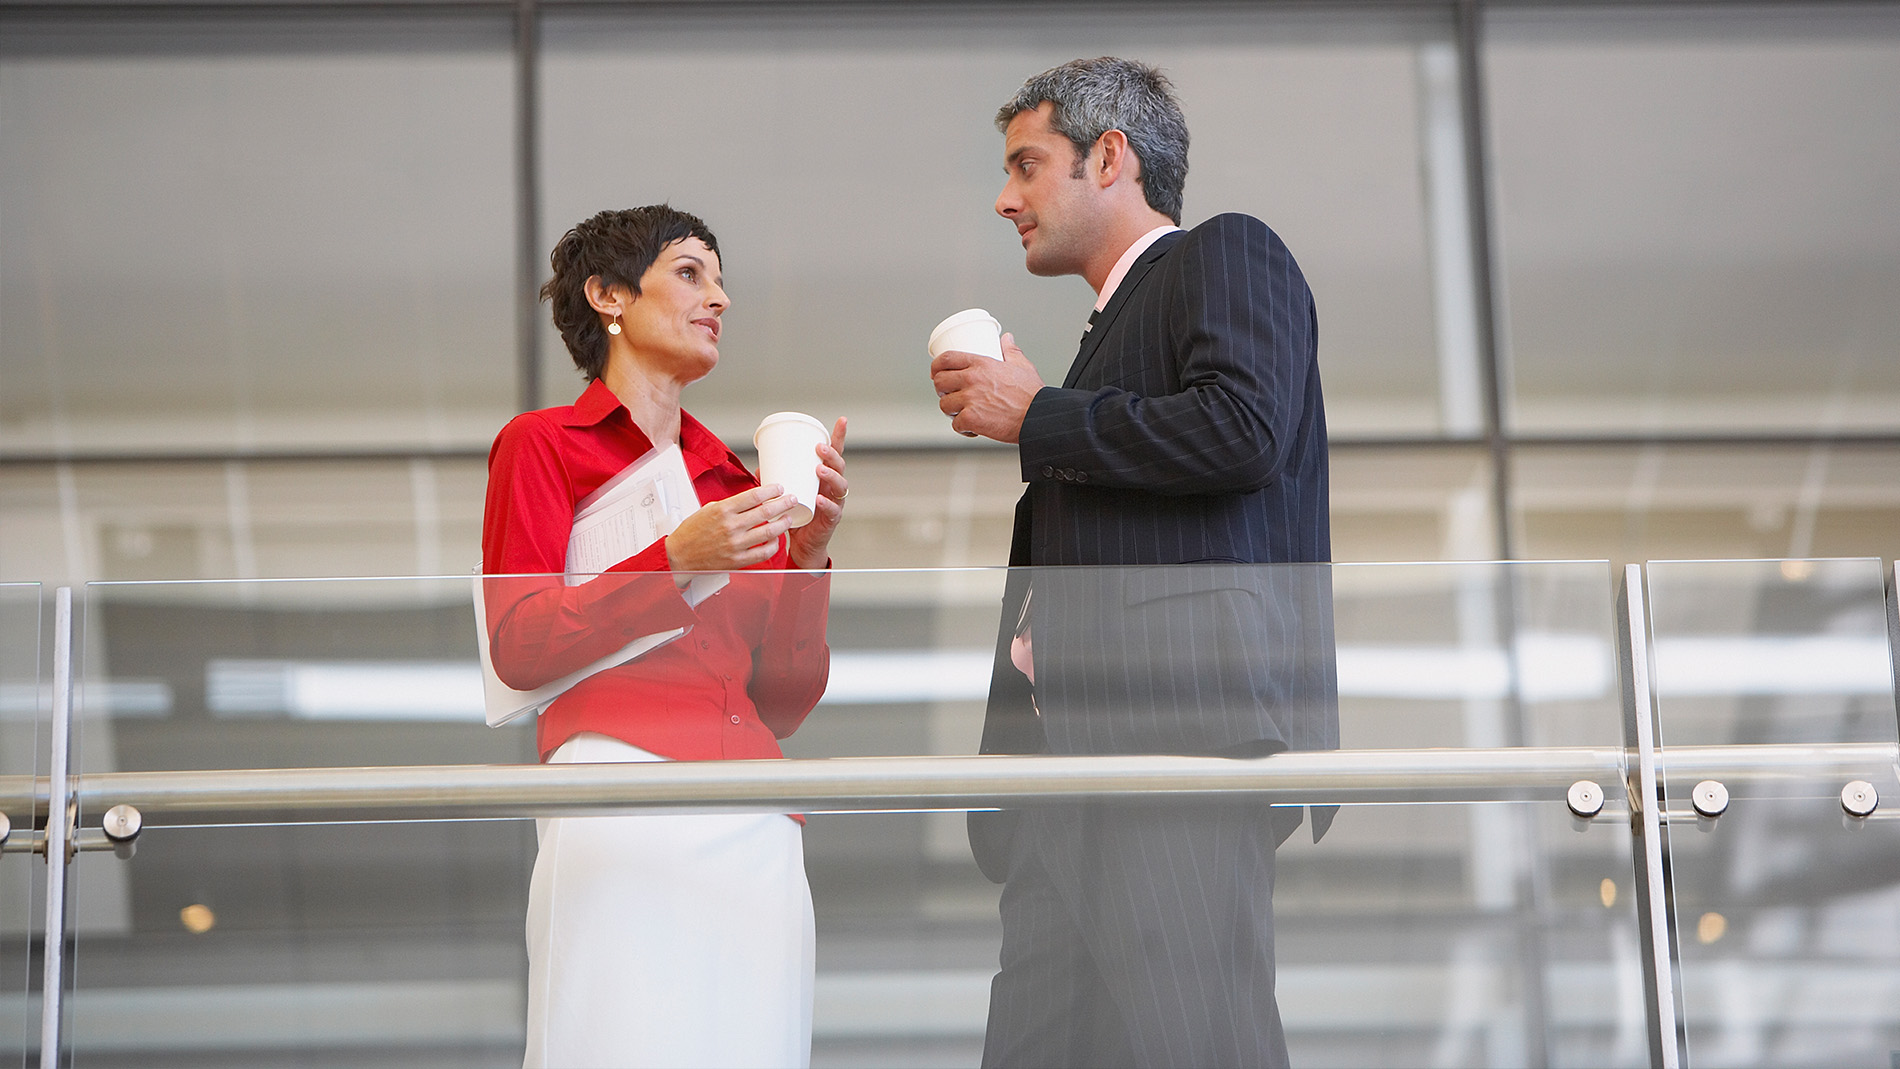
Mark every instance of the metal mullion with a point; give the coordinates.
(1893, 629)
(1655, 890)
(1468, 17)
(527, 206)
(59, 824)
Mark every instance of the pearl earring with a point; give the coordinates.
(614, 327)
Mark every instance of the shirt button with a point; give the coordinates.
(735, 718)
(1048, 472)
(704, 645)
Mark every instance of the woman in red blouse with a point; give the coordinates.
(659, 939)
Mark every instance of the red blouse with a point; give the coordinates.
(753, 661)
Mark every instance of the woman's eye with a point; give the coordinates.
(688, 274)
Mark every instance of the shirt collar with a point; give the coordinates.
(1127, 261)
(597, 403)
(704, 444)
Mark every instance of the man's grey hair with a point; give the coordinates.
(1094, 96)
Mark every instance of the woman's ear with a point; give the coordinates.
(607, 300)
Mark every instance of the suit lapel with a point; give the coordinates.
(1092, 341)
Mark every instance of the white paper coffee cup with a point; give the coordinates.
(970, 331)
(788, 455)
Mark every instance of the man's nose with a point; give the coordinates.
(1007, 203)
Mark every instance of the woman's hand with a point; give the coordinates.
(809, 544)
(735, 533)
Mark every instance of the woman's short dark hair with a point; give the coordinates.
(618, 246)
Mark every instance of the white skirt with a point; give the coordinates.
(667, 941)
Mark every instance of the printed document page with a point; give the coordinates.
(641, 504)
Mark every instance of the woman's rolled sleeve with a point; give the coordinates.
(793, 663)
(540, 629)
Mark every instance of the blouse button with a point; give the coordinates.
(735, 718)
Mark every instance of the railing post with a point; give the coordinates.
(1655, 893)
(1893, 629)
(59, 818)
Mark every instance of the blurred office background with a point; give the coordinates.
(265, 270)
(1594, 282)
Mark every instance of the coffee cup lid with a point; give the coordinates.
(968, 315)
(788, 417)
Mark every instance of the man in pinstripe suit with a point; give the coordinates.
(1189, 433)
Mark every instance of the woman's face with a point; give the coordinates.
(674, 323)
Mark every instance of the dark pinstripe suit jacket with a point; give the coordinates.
(1189, 430)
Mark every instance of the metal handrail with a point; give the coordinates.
(303, 795)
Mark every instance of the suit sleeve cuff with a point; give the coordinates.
(1055, 424)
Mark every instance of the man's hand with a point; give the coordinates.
(984, 396)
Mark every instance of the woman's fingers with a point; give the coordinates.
(756, 498)
(736, 532)
(831, 480)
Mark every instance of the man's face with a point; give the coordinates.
(1056, 213)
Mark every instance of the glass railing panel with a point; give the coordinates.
(1784, 904)
(238, 939)
(1421, 928)
(23, 705)
(1486, 933)
(1410, 934)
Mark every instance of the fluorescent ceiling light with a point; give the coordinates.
(121, 699)
(1773, 664)
(866, 677)
(346, 690)
(1549, 666)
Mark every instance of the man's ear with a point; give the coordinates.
(1111, 159)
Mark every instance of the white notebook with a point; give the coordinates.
(640, 505)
